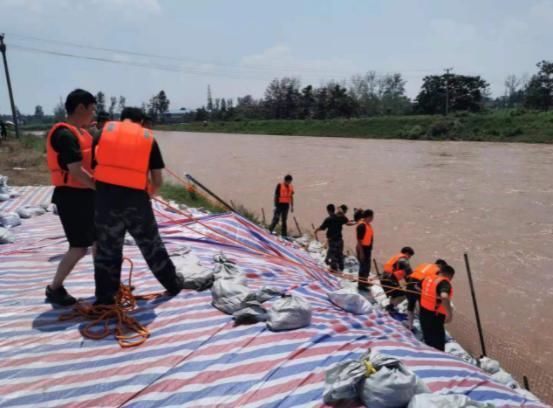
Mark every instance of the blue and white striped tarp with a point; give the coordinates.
(196, 356)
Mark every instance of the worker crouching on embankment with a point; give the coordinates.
(396, 271)
(128, 165)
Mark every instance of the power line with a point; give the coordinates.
(198, 61)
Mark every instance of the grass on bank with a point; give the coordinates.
(181, 195)
(24, 161)
(499, 126)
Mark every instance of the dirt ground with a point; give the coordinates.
(25, 166)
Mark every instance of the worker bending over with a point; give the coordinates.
(414, 282)
(436, 309)
(333, 226)
(284, 201)
(394, 280)
(128, 165)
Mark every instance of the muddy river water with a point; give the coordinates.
(492, 200)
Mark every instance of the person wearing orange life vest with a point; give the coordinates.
(365, 239)
(435, 306)
(414, 281)
(128, 165)
(284, 202)
(395, 272)
(68, 151)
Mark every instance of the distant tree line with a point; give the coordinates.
(363, 95)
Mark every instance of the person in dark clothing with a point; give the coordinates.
(284, 202)
(3, 130)
(68, 148)
(365, 238)
(122, 205)
(436, 310)
(333, 226)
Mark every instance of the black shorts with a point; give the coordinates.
(390, 285)
(76, 212)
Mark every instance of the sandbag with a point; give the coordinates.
(266, 293)
(392, 385)
(351, 265)
(455, 349)
(229, 295)
(376, 379)
(6, 236)
(28, 211)
(342, 382)
(351, 301)
(8, 220)
(288, 313)
(489, 366)
(445, 401)
(225, 268)
(195, 276)
(251, 312)
(4, 197)
(315, 246)
(503, 377)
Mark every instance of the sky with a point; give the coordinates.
(238, 46)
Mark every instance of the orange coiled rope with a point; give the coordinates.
(128, 331)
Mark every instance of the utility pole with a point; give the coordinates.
(14, 114)
(447, 71)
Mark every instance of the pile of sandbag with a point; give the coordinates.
(232, 296)
(5, 191)
(377, 380)
(351, 265)
(30, 211)
(6, 236)
(454, 348)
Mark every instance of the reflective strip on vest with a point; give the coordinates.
(429, 295)
(123, 155)
(391, 267)
(59, 176)
(368, 237)
(424, 270)
(285, 193)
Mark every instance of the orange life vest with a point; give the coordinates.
(59, 176)
(424, 270)
(429, 296)
(285, 193)
(368, 237)
(392, 268)
(123, 155)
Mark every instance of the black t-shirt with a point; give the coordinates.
(68, 148)
(124, 195)
(66, 144)
(404, 265)
(443, 286)
(333, 225)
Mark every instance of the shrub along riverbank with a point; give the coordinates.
(500, 126)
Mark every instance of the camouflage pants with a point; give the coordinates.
(335, 254)
(112, 222)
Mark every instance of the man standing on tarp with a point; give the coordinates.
(128, 166)
(69, 154)
(284, 201)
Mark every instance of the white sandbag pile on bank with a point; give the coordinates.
(26, 212)
(351, 301)
(196, 276)
(377, 380)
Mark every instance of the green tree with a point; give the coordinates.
(39, 113)
(307, 109)
(466, 93)
(100, 102)
(121, 104)
(163, 102)
(112, 105)
(539, 91)
(59, 111)
(209, 99)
